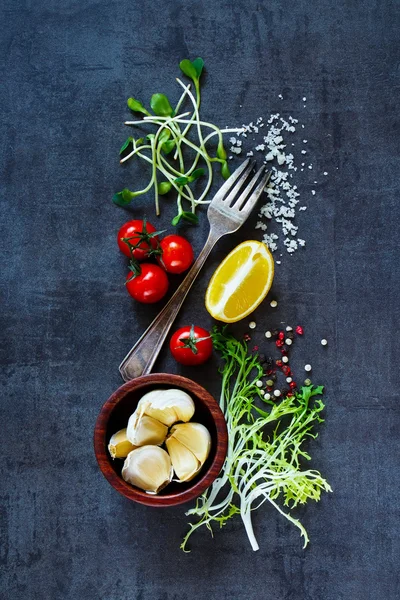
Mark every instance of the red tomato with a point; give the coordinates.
(149, 286)
(141, 234)
(191, 345)
(177, 254)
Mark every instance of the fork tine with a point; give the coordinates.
(246, 202)
(239, 184)
(231, 181)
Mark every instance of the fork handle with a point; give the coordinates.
(141, 358)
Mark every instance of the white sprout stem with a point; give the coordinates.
(189, 197)
(195, 114)
(135, 151)
(185, 131)
(156, 120)
(153, 145)
(195, 111)
(181, 99)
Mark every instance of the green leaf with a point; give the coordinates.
(123, 198)
(137, 106)
(167, 147)
(196, 174)
(181, 181)
(176, 220)
(225, 172)
(126, 144)
(192, 69)
(150, 137)
(164, 187)
(221, 152)
(186, 216)
(188, 69)
(317, 391)
(164, 136)
(160, 105)
(198, 64)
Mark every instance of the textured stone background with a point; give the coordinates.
(66, 71)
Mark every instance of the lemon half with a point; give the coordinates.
(241, 282)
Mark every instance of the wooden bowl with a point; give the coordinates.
(115, 414)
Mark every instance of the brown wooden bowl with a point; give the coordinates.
(115, 414)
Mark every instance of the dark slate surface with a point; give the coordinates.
(67, 68)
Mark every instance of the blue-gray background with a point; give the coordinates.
(66, 71)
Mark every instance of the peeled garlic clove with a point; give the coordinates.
(195, 437)
(168, 406)
(143, 429)
(119, 446)
(184, 462)
(148, 468)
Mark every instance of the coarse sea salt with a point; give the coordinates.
(282, 194)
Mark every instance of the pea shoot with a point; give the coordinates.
(176, 160)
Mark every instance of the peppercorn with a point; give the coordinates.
(299, 330)
(279, 343)
(275, 332)
(281, 335)
(270, 383)
(292, 385)
(290, 335)
(278, 363)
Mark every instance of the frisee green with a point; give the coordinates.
(172, 154)
(265, 446)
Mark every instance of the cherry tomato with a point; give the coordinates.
(177, 254)
(191, 345)
(149, 286)
(137, 233)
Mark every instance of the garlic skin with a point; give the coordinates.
(195, 437)
(148, 468)
(119, 446)
(184, 462)
(167, 406)
(143, 429)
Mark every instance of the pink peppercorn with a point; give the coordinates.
(299, 330)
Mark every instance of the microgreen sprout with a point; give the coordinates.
(265, 446)
(176, 160)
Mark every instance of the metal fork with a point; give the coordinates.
(228, 210)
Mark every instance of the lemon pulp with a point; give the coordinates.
(241, 282)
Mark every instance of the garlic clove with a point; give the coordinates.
(184, 462)
(119, 446)
(195, 437)
(142, 430)
(148, 468)
(168, 406)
